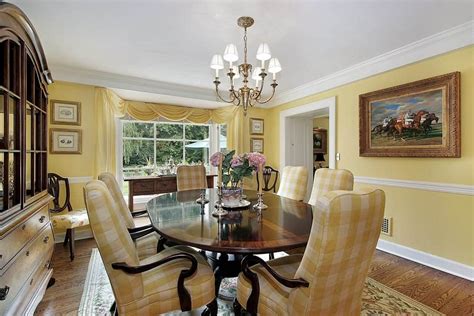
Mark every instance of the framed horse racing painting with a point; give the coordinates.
(417, 119)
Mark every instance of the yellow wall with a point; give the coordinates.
(81, 165)
(437, 223)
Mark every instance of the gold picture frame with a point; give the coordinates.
(417, 119)
(257, 126)
(257, 145)
(65, 112)
(65, 141)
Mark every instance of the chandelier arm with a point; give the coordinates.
(263, 74)
(274, 85)
(221, 98)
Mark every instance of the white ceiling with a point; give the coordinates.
(171, 42)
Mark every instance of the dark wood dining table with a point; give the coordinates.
(179, 219)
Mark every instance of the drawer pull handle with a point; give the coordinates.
(41, 219)
(45, 240)
(4, 292)
(23, 227)
(27, 253)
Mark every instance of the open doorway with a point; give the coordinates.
(296, 134)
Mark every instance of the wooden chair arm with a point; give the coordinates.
(252, 302)
(183, 294)
(139, 228)
(140, 233)
(139, 213)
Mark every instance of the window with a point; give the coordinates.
(153, 147)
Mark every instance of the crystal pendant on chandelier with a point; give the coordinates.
(246, 95)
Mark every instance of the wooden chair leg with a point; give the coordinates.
(211, 308)
(71, 244)
(237, 308)
(66, 237)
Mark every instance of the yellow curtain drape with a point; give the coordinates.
(110, 106)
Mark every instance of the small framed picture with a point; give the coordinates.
(65, 112)
(256, 145)
(65, 141)
(256, 126)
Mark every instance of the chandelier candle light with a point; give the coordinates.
(246, 95)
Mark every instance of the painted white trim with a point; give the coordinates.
(74, 180)
(329, 103)
(117, 81)
(437, 44)
(419, 185)
(78, 235)
(439, 263)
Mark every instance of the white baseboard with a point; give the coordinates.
(79, 235)
(446, 265)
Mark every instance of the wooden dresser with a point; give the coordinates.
(155, 185)
(26, 236)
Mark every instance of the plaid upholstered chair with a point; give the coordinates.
(326, 180)
(293, 182)
(177, 278)
(144, 237)
(191, 177)
(328, 279)
(63, 216)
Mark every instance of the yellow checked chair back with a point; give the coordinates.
(191, 177)
(326, 180)
(293, 182)
(113, 241)
(345, 231)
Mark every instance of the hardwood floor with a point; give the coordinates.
(444, 292)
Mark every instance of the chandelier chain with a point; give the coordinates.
(245, 46)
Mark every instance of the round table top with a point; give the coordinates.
(284, 225)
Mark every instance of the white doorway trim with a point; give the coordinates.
(330, 104)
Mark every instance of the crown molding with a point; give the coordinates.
(453, 188)
(110, 80)
(440, 43)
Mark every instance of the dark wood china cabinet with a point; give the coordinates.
(26, 239)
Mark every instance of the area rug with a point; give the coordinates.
(377, 299)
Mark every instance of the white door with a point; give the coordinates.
(299, 146)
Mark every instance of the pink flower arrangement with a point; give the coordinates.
(216, 158)
(236, 167)
(256, 159)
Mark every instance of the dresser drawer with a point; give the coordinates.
(27, 268)
(18, 237)
(143, 186)
(166, 186)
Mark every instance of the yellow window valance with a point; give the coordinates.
(110, 106)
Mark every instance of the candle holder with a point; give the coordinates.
(219, 210)
(202, 198)
(260, 205)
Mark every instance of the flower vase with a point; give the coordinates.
(231, 197)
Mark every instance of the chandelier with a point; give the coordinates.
(246, 95)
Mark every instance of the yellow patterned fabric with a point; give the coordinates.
(326, 180)
(68, 220)
(117, 196)
(191, 178)
(148, 293)
(110, 106)
(293, 183)
(273, 297)
(146, 245)
(344, 234)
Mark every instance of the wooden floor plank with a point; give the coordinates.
(444, 292)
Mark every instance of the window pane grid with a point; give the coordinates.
(171, 144)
